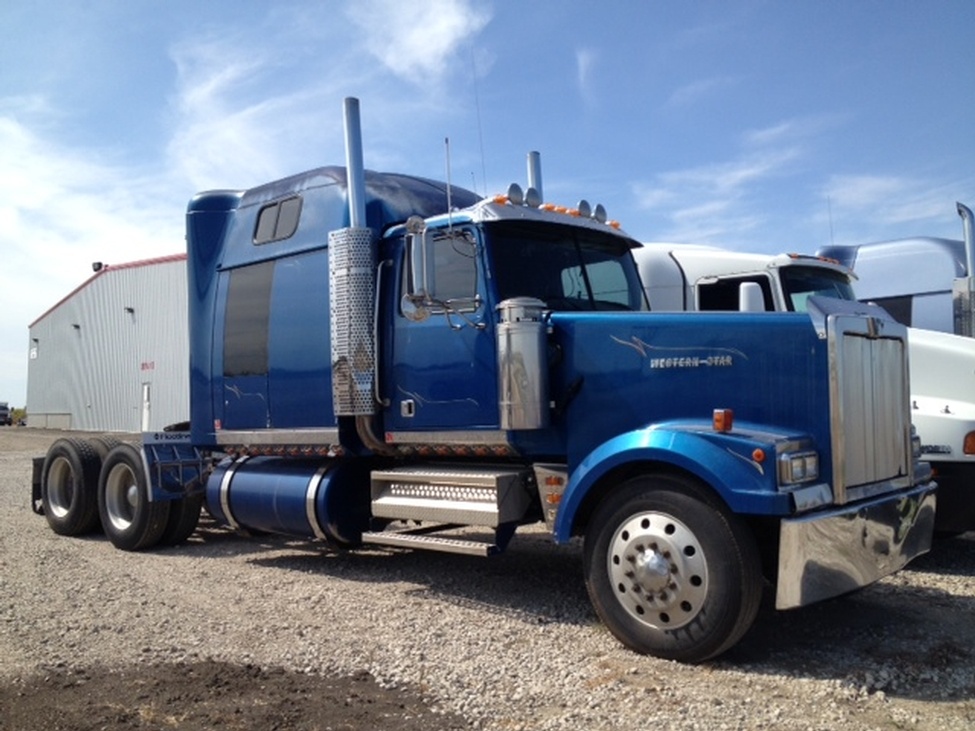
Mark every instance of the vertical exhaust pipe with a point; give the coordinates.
(353, 297)
(535, 173)
(355, 170)
(351, 274)
(963, 289)
(968, 225)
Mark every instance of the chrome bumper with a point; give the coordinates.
(826, 554)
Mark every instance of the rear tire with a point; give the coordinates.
(69, 484)
(131, 521)
(184, 515)
(670, 571)
(104, 445)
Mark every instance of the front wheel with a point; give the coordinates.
(131, 521)
(670, 571)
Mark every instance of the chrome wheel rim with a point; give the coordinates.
(658, 570)
(121, 497)
(61, 486)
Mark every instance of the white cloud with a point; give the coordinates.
(585, 61)
(698, 90)
(717, 203)
(61, 210)
(416, 40)
(791, 130)
(869, 207)
(224, 132)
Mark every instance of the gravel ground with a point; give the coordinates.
(408, 640)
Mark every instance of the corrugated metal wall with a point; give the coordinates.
(121, 335)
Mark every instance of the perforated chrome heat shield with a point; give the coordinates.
(351, 280)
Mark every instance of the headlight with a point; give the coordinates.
(797, 467)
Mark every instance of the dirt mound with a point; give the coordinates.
(211, 695)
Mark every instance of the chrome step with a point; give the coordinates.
(481, 495)
(431, 543)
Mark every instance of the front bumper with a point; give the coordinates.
(829, 553)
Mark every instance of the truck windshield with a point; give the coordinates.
(799, 283)
(569, 268)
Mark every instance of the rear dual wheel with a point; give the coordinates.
(130, 519)
(670, 571)
(68, 487)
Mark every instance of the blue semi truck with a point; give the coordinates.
(380, 359)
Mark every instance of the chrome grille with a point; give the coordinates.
(870, 408)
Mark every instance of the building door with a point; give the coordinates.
(146, 405)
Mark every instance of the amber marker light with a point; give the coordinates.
(758, 455)
(723, 420)
(969, 444)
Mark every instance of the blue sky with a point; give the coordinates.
(757, 125)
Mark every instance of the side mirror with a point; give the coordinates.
(442, 275)
(420, 257)
(750, 297)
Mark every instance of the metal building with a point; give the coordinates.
(113, 355)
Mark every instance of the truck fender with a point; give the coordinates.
(723, 462)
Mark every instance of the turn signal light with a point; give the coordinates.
(969, 444)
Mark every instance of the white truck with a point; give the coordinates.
(922, 281)
(686, 277)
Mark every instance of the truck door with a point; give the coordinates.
(440, 360)
(146, 406)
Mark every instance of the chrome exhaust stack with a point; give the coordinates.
(963, 289)
(351, 279)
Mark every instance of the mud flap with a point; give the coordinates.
(36, 503)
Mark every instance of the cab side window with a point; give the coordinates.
(722, 295)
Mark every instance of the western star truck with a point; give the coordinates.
(379, 359)
(701, 278)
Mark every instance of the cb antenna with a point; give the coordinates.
(829, 210)
(446, 144)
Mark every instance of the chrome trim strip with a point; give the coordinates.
(228, 476)
(384, 402)
(249, 437)
(311, 498)
(493, 438)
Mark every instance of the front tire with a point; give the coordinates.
(131, 521)
(670, 571)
